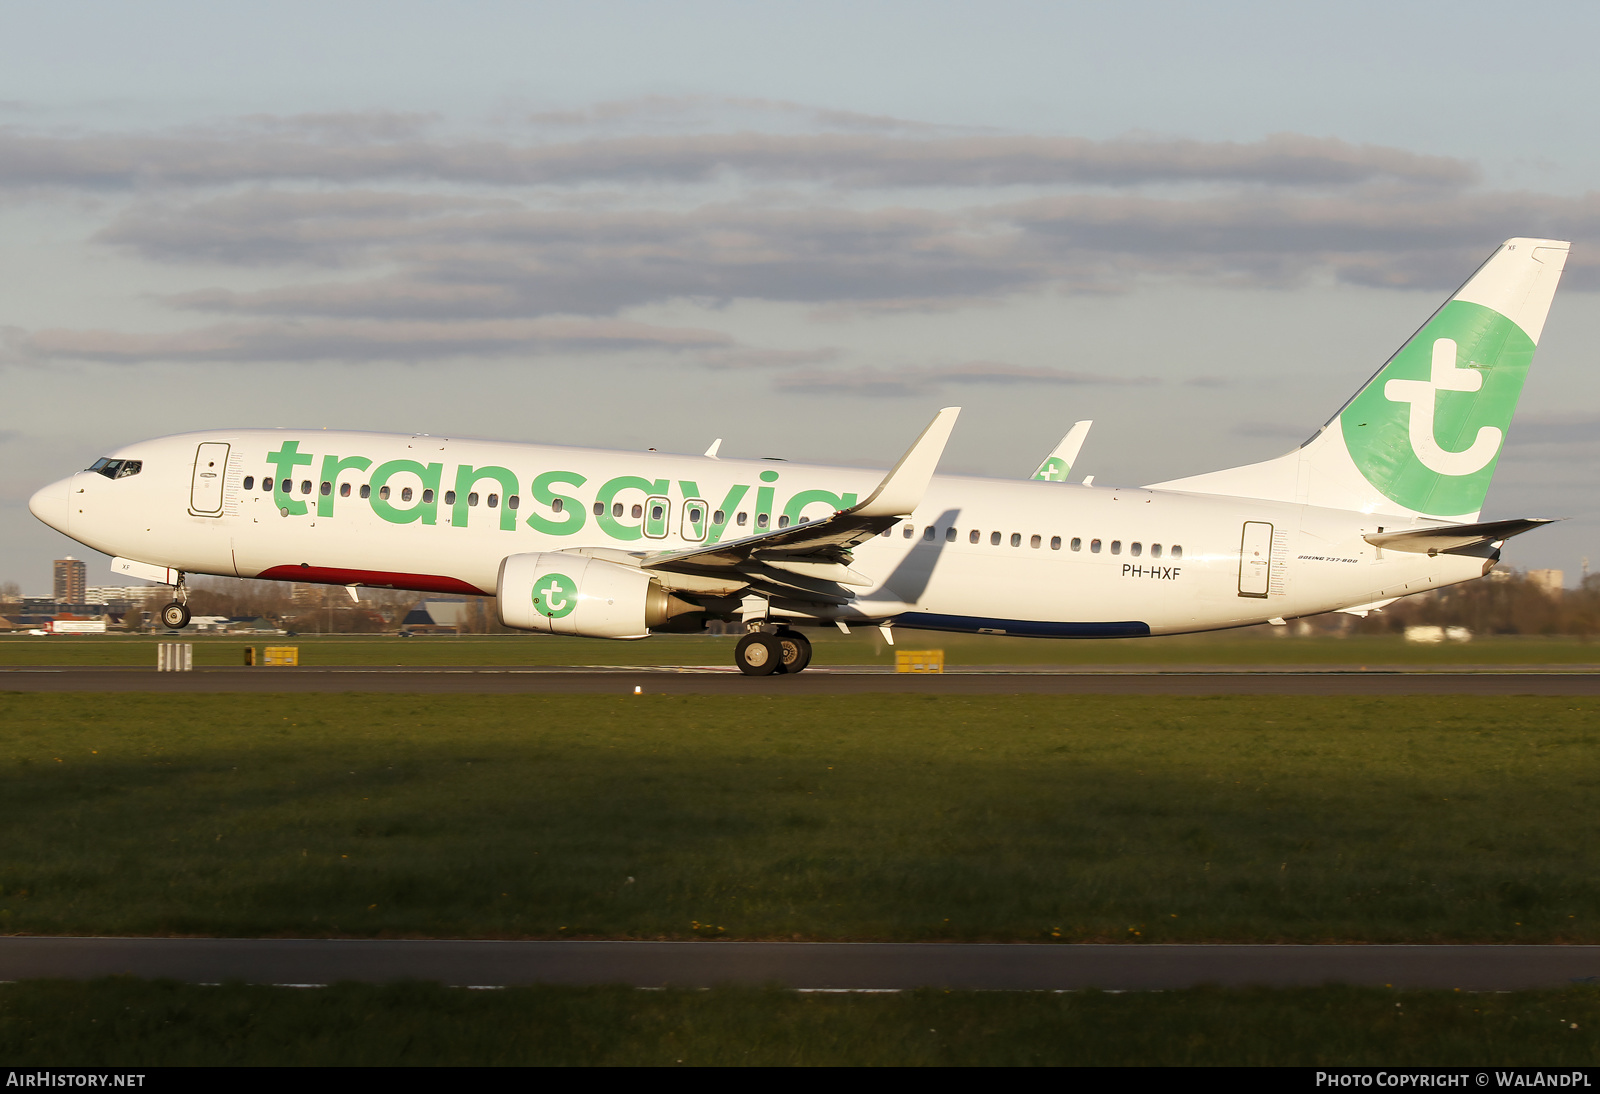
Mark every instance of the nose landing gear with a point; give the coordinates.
(175, 616)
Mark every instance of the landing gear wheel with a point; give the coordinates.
(758, 655)
(796, 651)
(175, 616)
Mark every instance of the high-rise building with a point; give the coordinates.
(1551, 581)
(71, 580)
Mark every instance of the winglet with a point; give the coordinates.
(712, 451)
(902, 488)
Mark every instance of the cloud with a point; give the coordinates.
(356, 149)
(496, 259)
(922, 380)
(363, 341)
(376, 220)
(750, 357)
(655, 110)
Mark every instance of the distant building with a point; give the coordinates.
(117, 594)
(72, 578)
(1551, 581)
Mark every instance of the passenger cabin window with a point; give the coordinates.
(405, 493)
(266, 485)
(1055, 543)
(305, 486)
(637, 512)
(1116, 546)
(994, 539)
(366, 490)
(1094, 546)
(599, 509)
(616, 509)
(472, 498)
(383, 493)
(906, 532)
(1016, 539)
(1155, 550)
(327, 489)
(783, 522)
(427, 497)
(744, 518)
(719, 517)
(515, 502)
(762, 519)
(493, 500)
(973, 538)
(928, 533)
(249, 482)
(1177, 552)
(344, 490)
(555, 506)
(1135, 549)
(950, 534)
(1035, 542)
(1077, 544)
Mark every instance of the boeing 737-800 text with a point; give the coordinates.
(1382, 502)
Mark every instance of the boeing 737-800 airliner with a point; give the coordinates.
(1382, 502)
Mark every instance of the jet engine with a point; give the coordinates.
(562, 593)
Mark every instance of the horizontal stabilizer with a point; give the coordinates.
(1453, 537)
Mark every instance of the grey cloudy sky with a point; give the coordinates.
(802, 227)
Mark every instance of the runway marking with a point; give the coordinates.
(808, 966)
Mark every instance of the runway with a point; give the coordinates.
(816, 966)
(817, 681)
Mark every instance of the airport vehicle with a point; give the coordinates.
(1383, 501)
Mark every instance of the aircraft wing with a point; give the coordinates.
(1058, 465)
(1453, 537)
(811, 561)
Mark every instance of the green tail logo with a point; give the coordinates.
(1053, 469)
(1427, 430)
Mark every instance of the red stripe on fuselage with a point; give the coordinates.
(379, 579)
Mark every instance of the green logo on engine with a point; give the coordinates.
(555, 595)
(1427, 430)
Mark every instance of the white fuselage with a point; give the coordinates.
(1024, 557)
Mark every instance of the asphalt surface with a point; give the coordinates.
(800, 965)
(828, 681)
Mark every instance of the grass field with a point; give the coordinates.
(131, 1024)
(875, 817)
(1254, 646)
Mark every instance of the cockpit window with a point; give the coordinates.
(116, 469)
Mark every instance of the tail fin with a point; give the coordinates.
(1058, 465)
(1423, 436)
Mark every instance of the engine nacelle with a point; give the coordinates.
(562, 593)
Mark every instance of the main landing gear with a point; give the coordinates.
(771, 651)
(175, 616)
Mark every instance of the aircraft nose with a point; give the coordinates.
(51, 505)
